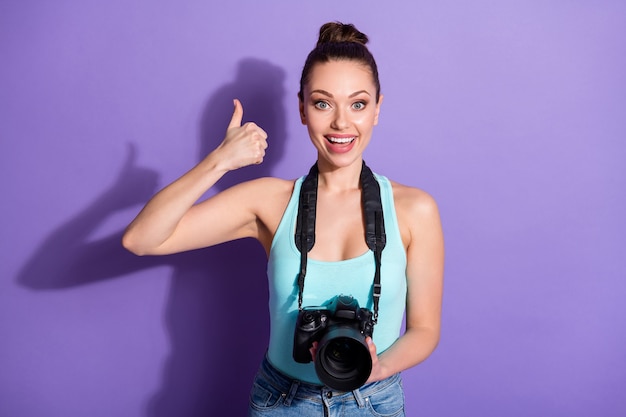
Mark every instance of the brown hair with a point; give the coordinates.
(338, 41)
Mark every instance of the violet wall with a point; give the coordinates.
(512, 114)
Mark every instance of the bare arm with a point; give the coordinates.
(425, 258)
(172, 221)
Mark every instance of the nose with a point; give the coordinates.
(340, 120)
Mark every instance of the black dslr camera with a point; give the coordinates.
(342, 360)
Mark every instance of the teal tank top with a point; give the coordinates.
(325, 280)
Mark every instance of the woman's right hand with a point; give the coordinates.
(244, 144)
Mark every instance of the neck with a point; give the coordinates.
(339, 179)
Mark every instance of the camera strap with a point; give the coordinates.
(374, 225)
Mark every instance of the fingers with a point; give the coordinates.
(235, 121)
(255, 130)
(371, 346)
(313, 351)
(376, 373)
(244, 144)
(255, 142)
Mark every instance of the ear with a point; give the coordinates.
(301, 107)
(380, 101)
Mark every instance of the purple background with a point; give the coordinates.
(512, 114)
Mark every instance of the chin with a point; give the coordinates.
(341, 160)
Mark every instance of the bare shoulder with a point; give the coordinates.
(416, 210)
(413, 200)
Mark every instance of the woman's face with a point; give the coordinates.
(340, 110)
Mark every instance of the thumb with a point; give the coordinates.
(370, 345)
(235, 121)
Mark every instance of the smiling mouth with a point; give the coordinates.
(340, 141)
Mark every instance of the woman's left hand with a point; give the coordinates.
(377, 371)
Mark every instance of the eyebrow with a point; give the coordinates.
(326, 93)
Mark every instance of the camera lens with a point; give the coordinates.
(340, 357)
(343, 361)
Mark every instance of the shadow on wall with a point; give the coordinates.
(212, 361)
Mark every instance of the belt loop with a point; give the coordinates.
(292, 392)
(359, 398)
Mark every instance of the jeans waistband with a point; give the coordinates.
(298, 389)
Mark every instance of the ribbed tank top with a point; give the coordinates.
(325, 280)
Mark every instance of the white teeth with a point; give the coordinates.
(340, 140)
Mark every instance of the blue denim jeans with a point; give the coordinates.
(274, 394)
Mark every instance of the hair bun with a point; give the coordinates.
(335, 32)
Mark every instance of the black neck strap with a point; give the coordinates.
(374, 225)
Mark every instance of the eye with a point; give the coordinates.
(359, 105)
(322, 105)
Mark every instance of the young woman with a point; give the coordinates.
(340, 102)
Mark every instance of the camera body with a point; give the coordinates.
(342, 360)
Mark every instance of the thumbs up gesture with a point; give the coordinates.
(244, 144)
